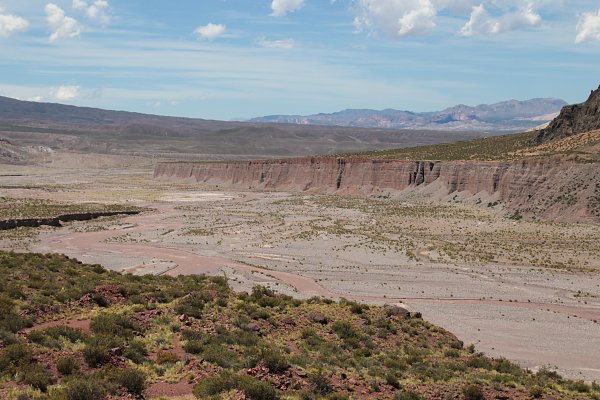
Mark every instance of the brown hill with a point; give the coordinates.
(89, 130)
(573, 119)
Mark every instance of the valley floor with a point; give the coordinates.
(528, 291)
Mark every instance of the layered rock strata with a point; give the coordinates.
(546, 188)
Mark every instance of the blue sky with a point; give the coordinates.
(227, 59)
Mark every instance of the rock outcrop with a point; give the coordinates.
(547, 188)
(573, 119)
(56, 221)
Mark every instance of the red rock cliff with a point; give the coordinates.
(547, 188)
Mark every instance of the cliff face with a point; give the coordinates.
(573, 119)
(544, 188)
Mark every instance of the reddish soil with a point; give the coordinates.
(83, 324)
(159, 389)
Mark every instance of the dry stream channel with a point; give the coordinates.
(522, 290)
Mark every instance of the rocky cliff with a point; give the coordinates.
(539, 188)
(573, 119)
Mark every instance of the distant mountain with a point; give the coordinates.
(506, 116)
(574, 119)
(29, 128)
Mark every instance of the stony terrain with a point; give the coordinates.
(515, 288)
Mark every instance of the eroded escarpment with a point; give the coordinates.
(56, 221)
(546, 188)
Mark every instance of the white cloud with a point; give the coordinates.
(97, 10)
(277, 44)
(282, 7)
(66, 93)
(10, 24)
(482, 23)
(588, 27)
(210, 31)
(396, 18)
(63, 27)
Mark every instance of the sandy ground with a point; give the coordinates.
(525, 291)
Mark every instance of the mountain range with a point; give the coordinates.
(506, 116)
(26, 127)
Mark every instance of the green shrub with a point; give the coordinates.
(114, 324)
(257, 390)
(479, 361)
(319, 383)
(473, 392)
(193, 347)
(97, 350)
(226, 381)
(193, 304)
(73, 335)
(579, 386)
(131, 379)
(136, 351)
(392, 380)
(67, 365)
(220, 355)
(274, 360)
(408, 395)
(188, 334)
(216, 384)
(7, 338)
(166, 357)
(14, 356)
(344, 330)
(85, 388)
(35, 376)
(536, 392)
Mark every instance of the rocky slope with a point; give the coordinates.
(539, 188)
(506, 116)
(573, 119)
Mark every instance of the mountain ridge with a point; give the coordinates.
(573, 119)
(505, 116)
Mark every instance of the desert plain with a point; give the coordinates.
(525, 290)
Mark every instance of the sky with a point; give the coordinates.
(236, 59)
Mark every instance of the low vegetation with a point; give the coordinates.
(492, 148)
(121, 335)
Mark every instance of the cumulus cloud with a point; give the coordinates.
(277, 44)
(210, 31)
(482, 23)
(282, 7)
(396, 18)
(63, 27)
(66, 93)
(588, 27)
(10, 24)
(98, 10)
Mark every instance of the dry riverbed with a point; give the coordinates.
(528, 291)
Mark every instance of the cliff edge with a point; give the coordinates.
(537, 188)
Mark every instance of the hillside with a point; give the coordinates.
(573, 119)
(25, 126)
(507, 116)
(78, 332)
